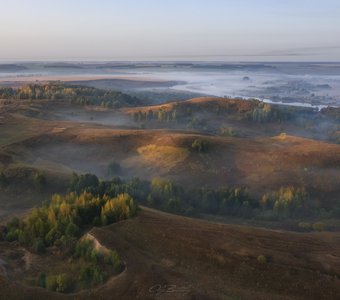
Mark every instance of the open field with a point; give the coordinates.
(263, 163)
(192, 259)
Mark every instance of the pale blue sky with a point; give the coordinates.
(146, 29)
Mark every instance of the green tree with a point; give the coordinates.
(63, 283)
(51, 282)
(72, 229)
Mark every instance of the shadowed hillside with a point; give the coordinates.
(172, 257)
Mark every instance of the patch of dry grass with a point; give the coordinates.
(163, 156)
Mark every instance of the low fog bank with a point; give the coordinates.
(93, 115)
(306, 83)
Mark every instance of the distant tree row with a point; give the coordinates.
(256, 111)
(103, 202)
(161, 115)
(72, 93)
(265, 112)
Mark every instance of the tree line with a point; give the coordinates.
(286, 202)
(75, 94)
(255, 110)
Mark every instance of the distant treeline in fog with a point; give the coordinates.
(75, 94)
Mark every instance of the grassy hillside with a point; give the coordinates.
(261, 164)
(203, 260)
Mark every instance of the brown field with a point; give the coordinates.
(203, 260)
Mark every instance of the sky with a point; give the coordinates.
(294, 30)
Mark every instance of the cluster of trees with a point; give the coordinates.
(60, 224)
(92, 273)
(62, 221)
(115, 200)
(286, 202)
(136, 188)
(85, 249)
(262, 113)
(265, 112)
(161, 115)
(169, 196)
(253, 110)
(72, 93)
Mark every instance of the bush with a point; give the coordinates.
(261, 259)
(51, 283)
(23, 238)
(91, 275)
(112, 258)
(94, 256)
(59, 283)
(13, 223)
(12, 235)
(199, 146)
(305, 226)
(63, 282)
(84, 248)
(319, 226)
(52, 236)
